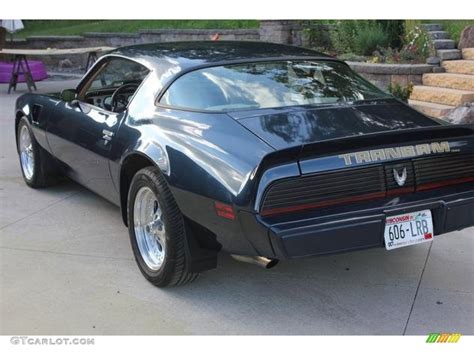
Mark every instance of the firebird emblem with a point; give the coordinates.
(400, 178)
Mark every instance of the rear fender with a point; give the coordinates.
(154, 152)
(200, 257)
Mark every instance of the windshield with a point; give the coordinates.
(269, 85)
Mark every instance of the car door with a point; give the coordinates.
(81, 138)
(81, 132)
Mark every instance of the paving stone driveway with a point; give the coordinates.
(67, 268)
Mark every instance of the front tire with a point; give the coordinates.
(37, 165)
(157, 231)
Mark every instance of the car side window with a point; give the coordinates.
(113, 84)
(118, 72)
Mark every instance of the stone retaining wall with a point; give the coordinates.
(298, 33)
(383, 75)
(94, 39)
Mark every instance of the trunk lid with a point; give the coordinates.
(286, 128)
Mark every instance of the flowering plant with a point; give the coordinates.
(418, 43)
(417, 47)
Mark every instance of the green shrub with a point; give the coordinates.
(316, 37)
(368, 39)
(360, 37)
(403, 93)
(342, 36)
(395, 29)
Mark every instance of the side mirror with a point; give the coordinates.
(68, 95)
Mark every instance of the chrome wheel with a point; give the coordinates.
(149, 228)
(27, 157)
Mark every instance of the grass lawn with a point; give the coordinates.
(77, 27)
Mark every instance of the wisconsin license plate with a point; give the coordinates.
(408, 229)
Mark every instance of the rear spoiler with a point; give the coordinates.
(342, 145)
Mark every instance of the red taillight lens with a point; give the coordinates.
(435, 185)
(223, 210)
(362, 197)
(301, 207)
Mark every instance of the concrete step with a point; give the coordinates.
(431, 27)
(438, 35)
(448, 54)
(468, 53)
(459, 66)
(444, 44)
(449, 80)
(431, 109)
(444, 96)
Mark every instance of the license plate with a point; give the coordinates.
(408, 229)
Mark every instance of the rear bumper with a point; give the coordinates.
(353, 229)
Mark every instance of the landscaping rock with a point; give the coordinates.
(431, 27)
(433, 61)
(401, 80)
(449, 80)
(459, 66)
(462, 114)
(438, 35)
(416, 79)
(441, 95)
(431, 109)
(417, 68)
(391, 68)
(438, 70)
(467, 38)
(444, 44)
(448, 54)
(468, 53)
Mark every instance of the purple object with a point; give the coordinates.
(38, 71)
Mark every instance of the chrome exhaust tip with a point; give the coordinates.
(261, 261)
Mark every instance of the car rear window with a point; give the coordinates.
(269, 85)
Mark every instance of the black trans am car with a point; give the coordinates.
(265, 151)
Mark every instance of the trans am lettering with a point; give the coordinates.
(408, 151)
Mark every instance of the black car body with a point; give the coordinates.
(278, 182)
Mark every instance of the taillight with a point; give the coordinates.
(331, 202)
(434, 185)
(366, 183)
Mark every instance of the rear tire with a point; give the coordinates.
(157, 231)
(38, 167)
